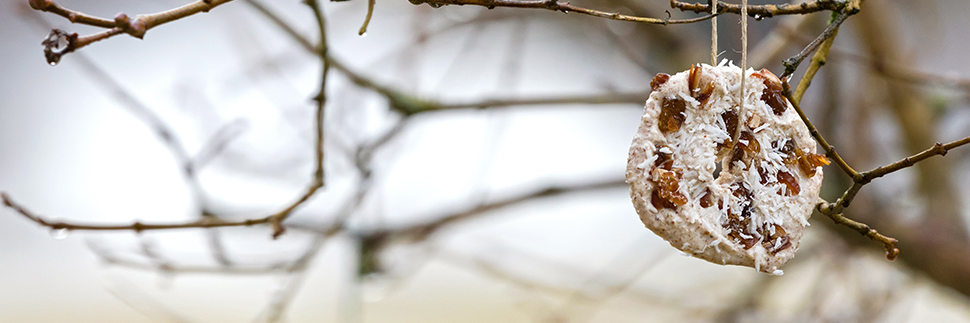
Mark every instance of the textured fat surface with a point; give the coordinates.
(699, 231)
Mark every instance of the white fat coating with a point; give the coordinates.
(693, 148)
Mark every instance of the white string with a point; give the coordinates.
(744, 64)
(714, 33)
(744, 40)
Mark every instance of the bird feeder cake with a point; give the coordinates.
(750, 211)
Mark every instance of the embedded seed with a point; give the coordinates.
(672, 115)
(772, 95)
(658, 80)
(730, 118)
(706, 199)
(664, 160)
(763, 175)
(789, 180)
(736, 155)
(668, 183)
(659, 202)
(738, 229)
(776, 241)
(749, 143)
(701, 93)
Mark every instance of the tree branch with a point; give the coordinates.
(763, 11)
(121, 23)
(564, 7)
(817, 61)
(830, 151)
(275, 219)
(421, 231)
(865, 230)
(791, 64)
(937, 149)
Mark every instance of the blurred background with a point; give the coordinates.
(496, 209)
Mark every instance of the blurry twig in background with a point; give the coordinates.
(140, 301)
(886, 68)
(297, 273)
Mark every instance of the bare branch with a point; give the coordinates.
(171, 268)
(564, 7)
(73, 16)
(791, 64)
(121, 23)
(823, 206)
(421, 231)
(370, 12)
(829, 149)
(763, 11)
(205, 222)
(817, 61)
(865, 230)
(937, 149)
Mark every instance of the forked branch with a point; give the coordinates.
(835, 210)
(275, 219)
(136, 27)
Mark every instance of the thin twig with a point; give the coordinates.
(888, 70)
(304, 42)
(937, 149)
(73, 16)
(791, 64)
(136, 27)
(321, 100)
(834, 211)
(763, 11)
(137, 226)
(189, 166)
(817, 61)
(608, 98)
(370, 12)
(108, 258)
(422, 230)
(564, 7)
(410, 104)
(284, 296)
(866, 177)
(865, 230)
(829, 149)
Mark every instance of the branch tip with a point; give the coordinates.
(41, 5)
(888, 243)
(278, 228)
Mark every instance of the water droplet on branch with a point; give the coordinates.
(58, 43)
(62, 233)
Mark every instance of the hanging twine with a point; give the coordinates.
(714, 34)
(744, 64)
